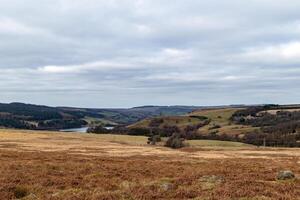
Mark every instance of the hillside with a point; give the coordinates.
(179, 121)
(28, 116)
(221, 123)
(271, 125)
(209, 121)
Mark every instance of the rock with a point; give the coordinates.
(285, 175)
(166, 186)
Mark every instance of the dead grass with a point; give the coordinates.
(50, 175)
(94, 167)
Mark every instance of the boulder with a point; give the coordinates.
(285, 175)
(166, 186)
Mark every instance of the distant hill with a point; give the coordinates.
(205, 121)
(270, 125)
(166, 110)
(29, 116)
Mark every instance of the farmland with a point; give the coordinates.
(51, 165)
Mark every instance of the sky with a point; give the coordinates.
(124, 53)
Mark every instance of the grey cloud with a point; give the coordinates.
(133, 52)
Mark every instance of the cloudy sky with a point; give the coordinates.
(123, 53)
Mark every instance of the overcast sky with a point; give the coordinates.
(123, 53)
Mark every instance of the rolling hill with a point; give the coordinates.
(218, 121)
(28, 116)
(270, 125)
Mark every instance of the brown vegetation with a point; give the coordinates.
(62, 176)
(98, 167)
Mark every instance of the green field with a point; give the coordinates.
(215, 143)
(221, 117)
(179, 121)
(142, 140)
(218, 116)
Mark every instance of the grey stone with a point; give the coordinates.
(166, 186)
(285, 175)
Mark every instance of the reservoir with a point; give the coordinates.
(82, 129)
(77, 130)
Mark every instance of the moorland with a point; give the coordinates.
(56, 166)
(232, 152)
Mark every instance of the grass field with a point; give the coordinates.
(216, 143)
(69, 166)
(180, 121)
(222, 117)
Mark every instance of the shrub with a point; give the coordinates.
(168, 131)
(139, 131)
(98, 130)
(175, 142)
(121, 130)
(156, 122)
(215, 126)
(213, 134)
(61, 124)
(20, 192)
(271, 139)
(199, 117)
(154, 139)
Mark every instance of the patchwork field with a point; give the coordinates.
(51, 165)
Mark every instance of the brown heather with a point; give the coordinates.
(64, 174)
